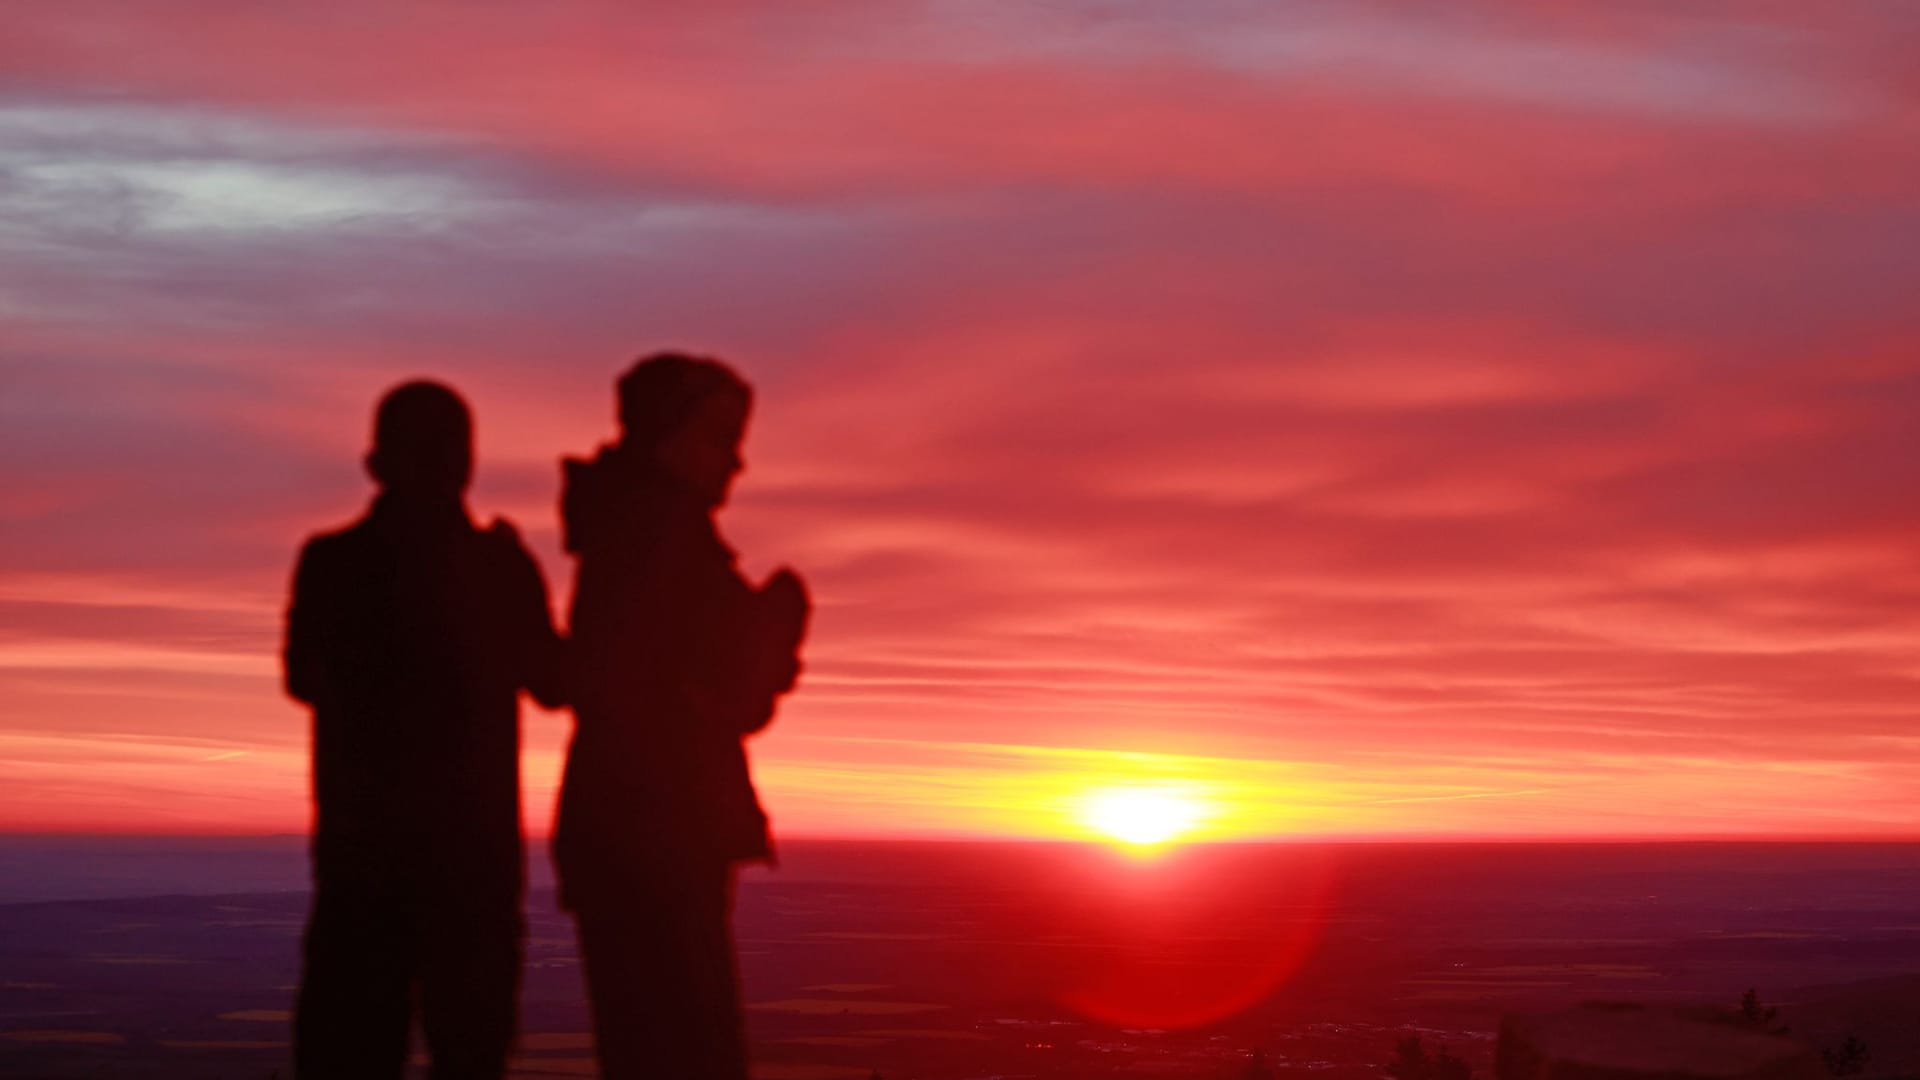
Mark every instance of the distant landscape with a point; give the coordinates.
(176, 959)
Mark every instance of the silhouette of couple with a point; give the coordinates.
(411, 634)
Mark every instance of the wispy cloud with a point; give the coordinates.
(1398, 421)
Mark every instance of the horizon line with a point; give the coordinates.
(1329, 839)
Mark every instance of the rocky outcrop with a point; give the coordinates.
(1631, 1042)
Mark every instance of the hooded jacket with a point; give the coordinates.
(674, 662)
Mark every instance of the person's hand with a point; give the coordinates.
(786, 602)
(785, 610)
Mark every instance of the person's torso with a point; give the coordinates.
(418, 735)
(656, 599)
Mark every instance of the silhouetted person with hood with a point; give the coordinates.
(677, 658)
(412, 633)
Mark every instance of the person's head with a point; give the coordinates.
(422, 442)
(688, 415)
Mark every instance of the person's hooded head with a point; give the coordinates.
(422, 443)
(685, 416)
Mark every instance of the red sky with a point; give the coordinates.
(1363, 419)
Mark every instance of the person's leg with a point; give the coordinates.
(660, 973)
(470, 989)
(354, 1004)
(622, 959)
(715, 1039)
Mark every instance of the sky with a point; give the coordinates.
(1358, 419)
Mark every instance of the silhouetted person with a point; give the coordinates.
(411, 633)
(677, 658)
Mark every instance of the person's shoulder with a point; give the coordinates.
(501, 531)
(587, 475)
(583, 498)
(502, 538)
(341, 542)
(509, 562)
(575, 470)
(331, 559)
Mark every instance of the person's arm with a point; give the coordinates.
(303, 657)
(546, 651)
(542, 654)
(782, 610)
(759, 656)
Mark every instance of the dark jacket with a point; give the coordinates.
(674, 661)
(411, 633)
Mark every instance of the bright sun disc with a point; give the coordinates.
(1141, 817)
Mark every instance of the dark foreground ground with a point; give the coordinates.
(1043, 961)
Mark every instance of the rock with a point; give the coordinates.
(1633, 1042)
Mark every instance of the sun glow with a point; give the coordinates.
(1142, 817)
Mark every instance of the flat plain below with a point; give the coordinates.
(177, 958)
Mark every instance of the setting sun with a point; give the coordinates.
(1141, 817)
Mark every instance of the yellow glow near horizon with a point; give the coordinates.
(1141, 817)
(1010, 791)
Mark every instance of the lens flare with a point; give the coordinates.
(1190, 937)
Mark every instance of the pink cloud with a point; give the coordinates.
(1471, 450)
